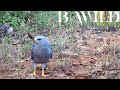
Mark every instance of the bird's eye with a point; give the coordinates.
(39, 39)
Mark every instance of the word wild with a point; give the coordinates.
(89, 14)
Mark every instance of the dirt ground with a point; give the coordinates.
(71, 68)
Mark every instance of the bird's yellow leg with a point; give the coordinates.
(43, 73)
(34, 73)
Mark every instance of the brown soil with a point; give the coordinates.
(90, 68)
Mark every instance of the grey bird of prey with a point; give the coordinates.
(41, 52)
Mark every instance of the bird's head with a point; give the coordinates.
(37, 39)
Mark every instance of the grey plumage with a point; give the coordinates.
(41, 51)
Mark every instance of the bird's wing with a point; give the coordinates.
(51, 53)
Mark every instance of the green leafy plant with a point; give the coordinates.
(6, 39)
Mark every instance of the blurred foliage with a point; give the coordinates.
(59, 33)
(25, 49)
(41, 20)
(6, 39)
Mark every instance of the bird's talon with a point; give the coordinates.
(34, 74)
(43, 75)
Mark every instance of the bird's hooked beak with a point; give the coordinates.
(35, 40)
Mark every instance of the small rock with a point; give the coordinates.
(6, 29)
(67, 47)
(84, 62)
(96, 32)
(83, 48)
(102, 77)
(68, 54)
(117, 49)
(99, 40)
(84, 38)
(82, 75)
(61, 75)
(98, 69)
(84, 43)
(99, 64)
(15, 42)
